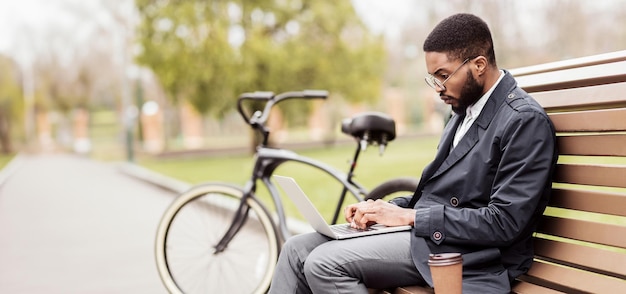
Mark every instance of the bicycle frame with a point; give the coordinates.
(266, 162)
(268, 159)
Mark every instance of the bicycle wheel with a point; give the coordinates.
(393, 188)
(195, 223)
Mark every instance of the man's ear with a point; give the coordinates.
(480, 65)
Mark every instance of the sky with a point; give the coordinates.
(385, 16)
(19, 19)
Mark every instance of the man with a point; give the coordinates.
(481, 196)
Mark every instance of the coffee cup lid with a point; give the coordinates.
(441, 259)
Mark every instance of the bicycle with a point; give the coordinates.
(219, 238)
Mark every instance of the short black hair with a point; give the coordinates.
(461, 36)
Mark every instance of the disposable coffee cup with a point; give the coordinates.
(447, 272)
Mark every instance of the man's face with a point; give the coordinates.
(461, 88)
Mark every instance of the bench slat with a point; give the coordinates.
(584, 257)
(568, 279)
(575, 77)
(594, 175)
(570, 63)
(589, 201)
(593, 232)
(605, 120)
(522, 287)
(593, 145)
(595, 97)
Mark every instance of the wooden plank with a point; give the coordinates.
(593, 145)
(593, 232)
(607, 120)
(522, 287)
(592, 75)
(568, 279)
(570, 63)
(594, 97)
(589, 201)
(595, 175)
(579, 256)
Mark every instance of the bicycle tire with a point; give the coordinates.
(395, 187)
(192, 226)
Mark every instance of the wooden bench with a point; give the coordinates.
(580, 245)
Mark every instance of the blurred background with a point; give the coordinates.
(114, 80)
(89, 88)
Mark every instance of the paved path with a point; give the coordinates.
(72, 225)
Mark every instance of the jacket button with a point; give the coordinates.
(437, 236)
(454, 201)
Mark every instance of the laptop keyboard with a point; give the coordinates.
(347, 229)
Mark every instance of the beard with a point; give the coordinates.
(470, 93)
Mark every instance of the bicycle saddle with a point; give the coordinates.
(373, 127)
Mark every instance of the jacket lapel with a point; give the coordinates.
(442, 152)
(472, 136)
(444, 146)
(464, 146)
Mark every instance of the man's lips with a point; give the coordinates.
(447, 99)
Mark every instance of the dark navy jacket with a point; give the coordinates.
(484, 197)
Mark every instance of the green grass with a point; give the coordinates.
(5, 159)
(405, 157)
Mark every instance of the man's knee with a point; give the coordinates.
(321, 264)
(296, 249)
(314, 266)
(290, 246)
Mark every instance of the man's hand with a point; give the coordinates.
(369, 212)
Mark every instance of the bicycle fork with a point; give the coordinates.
(241, 215)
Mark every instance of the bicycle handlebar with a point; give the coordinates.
(259, 118)
(259, 95)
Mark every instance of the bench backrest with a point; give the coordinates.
(581, 242)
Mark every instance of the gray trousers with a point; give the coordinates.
(313, 263)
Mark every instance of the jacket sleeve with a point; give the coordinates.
(517, 194)
(402, 201)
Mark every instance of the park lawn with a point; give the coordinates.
(5, 159)
(404, 157)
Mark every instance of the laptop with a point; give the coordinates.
(315, 219)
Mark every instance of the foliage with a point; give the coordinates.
(11, 103)
(210, 52)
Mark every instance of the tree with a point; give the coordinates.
(10, 102)
(210, 52)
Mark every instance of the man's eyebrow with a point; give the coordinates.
(438, 71)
